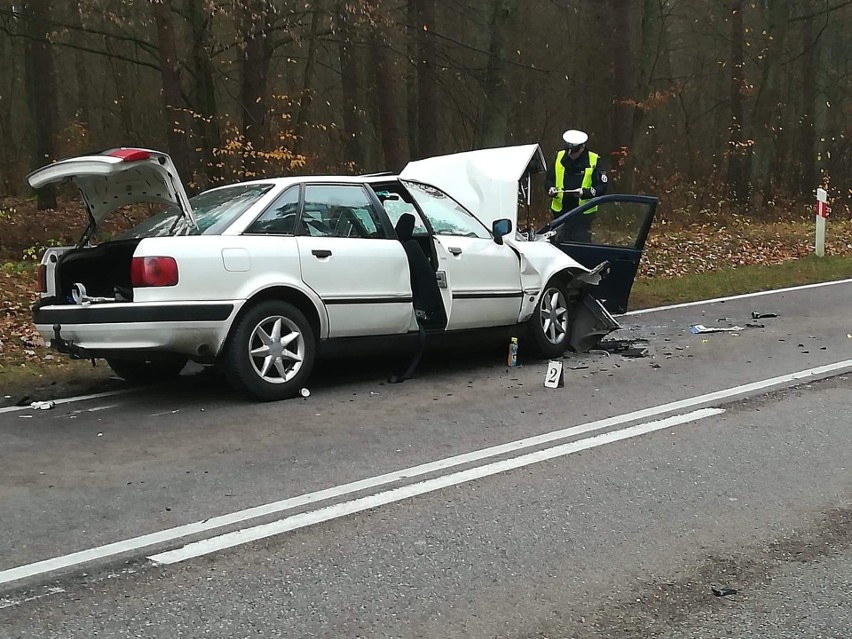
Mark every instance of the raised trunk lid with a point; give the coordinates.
(116, 178)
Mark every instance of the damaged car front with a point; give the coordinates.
(593, 279)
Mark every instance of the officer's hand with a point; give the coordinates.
(587, 194)
(552, 191)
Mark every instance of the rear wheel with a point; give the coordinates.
(270, 352)
(140, 371)
(550, 324)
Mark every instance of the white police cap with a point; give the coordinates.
(574, 138)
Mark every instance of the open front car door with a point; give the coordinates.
(613, 229)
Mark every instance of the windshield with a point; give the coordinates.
(214, 211)
(445, 215)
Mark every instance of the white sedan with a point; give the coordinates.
(262, 277)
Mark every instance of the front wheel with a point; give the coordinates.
(140, 371)
(551, 322)
(270, 352)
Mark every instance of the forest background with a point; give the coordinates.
(706, 103)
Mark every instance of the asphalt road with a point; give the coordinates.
(470, 501)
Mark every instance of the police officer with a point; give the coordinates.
(579, 172)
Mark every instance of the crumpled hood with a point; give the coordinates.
(485, 181)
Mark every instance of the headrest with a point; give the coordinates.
(405, 227)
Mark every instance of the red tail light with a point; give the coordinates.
(42, 278)
(153, 271)
(130, 155)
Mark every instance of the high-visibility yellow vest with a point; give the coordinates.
(556, 205)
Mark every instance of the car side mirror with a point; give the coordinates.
(500, 228)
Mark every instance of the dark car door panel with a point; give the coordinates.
(612, 228)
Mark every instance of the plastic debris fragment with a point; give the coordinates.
(700, 328)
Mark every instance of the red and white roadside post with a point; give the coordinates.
(821, 215)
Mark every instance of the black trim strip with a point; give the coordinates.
(132, 313)
(368, 300)
(477, 296)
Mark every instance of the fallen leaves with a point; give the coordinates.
(703, 248)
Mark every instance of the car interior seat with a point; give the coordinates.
(428, 305)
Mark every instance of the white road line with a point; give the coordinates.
(68, 400)
(735, 297)
(179, 532)
(302, 520)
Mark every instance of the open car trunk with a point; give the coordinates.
(103, 271)
(107, 181)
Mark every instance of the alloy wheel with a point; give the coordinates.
(553, 314)
(276, 349)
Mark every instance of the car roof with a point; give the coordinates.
(311, 179)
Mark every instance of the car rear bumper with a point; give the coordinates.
(196, 330)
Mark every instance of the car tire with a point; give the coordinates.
(138, 371)
(270, 352)
(550, 326)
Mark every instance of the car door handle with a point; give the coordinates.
(321, 253)
(455, 250)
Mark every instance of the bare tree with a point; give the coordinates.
(427, 87)
(41, 87)
(173, 105)
(497, 96)
(389, 99)
(255, 30)
(737, 177)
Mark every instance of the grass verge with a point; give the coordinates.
(648, 293)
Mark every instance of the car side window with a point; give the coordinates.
(396, 206)
(340, 210)
(280, 217)
(445, 215)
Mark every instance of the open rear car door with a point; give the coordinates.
(611, 228)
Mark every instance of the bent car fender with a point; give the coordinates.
(540, 261)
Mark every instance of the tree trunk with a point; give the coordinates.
(388, 102)
(303, 116)
(173, 107)
(427, 87)
(649, 52)
(497, 99)
(765, 132)
(255, 78)
(8, 148)
(622, 75)
(83, 89)
(204, 90)
(41, 84)
(822, 99)
(411, 74)
(805, 153)
(737, 158)
(352, 151)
